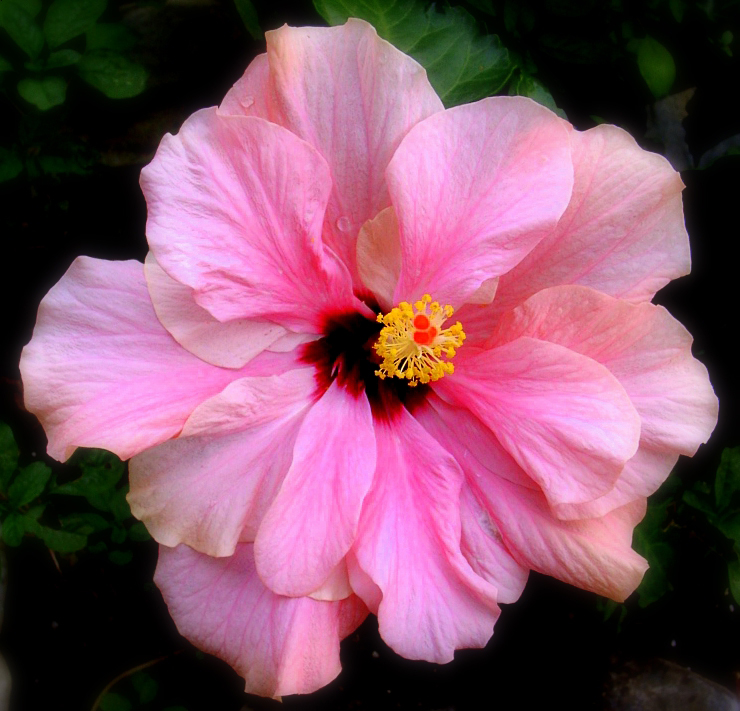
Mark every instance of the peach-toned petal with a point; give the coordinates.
(623, 232)
(235, 212)
(313, 521)
(562, 416)
(230, 345)
(475, 189)
(101, 371)
(594, 554)
(408, 545)
(353, 97)
(212, 491)
(280, 645)
(379, 256)
(649, 352)
(250, 96)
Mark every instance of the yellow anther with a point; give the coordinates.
(411, 347)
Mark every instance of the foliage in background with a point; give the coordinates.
(87, 509)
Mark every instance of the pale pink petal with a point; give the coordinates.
(409, 546)
(593, 554)
(101, 371)
(379, 256)
(336, 586)
(251, 402)
(313, 521)
(211, 492)
(485, 550)
(235, 212)
(250, 96)
(230, 344)
(563, 417)
(649, 352)
(481, 542)
(623, 232)
(353, 97)
(475, 189)
(280, 645)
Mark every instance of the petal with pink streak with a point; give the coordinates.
(379, 256)
(101, 371)
(230, 345)
(280, 645)
(409, 546)
(252, 402)
(211, 492)
(313, 521)
(649, 352)
(353, 97)
(235, 212)
(623, 232)
(563, 417)
(593, 554)
(475, 189)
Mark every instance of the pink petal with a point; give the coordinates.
(101, 371)
(313, 521)
(211, 492)
(563, 417)
(593, 554)
(475, 189)
(649, 352)
(252, 402)
(467, 439)
(250, 95)
(235, 212)
(280, 645)
(379, 257)
(353, 97)
(230, 345)
(408, 545)
(623, 232)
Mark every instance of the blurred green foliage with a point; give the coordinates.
(82, 507)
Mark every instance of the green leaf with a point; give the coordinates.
(729, 524)
(43, 93)
(656, 66)
(5, 65)
(145, 686)
(32, 7)
(733, 573)
(85, 523)
(63, 58)
(120, 557)
(61, 541)
(525, 85)
(115, 702)
(138, 533)
(246, 11)
(649, 541)
(19, 24)
(462, 65)
(101, 471)
(110, 35)
(67, 19)
(727, 483)
(677, 9)
(8, 447)
(118, 534)
(702, 503)
(57, 165)
(29, 484)
(10, 166)
(113, 74)
(14, 528)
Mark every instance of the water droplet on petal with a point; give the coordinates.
(343, 224)
(248, 101)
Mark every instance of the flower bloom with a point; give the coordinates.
(381, 357)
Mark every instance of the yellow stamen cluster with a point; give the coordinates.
(412, 342)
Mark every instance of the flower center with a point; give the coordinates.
(412, 342)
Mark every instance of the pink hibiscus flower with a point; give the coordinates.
(313, 433)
